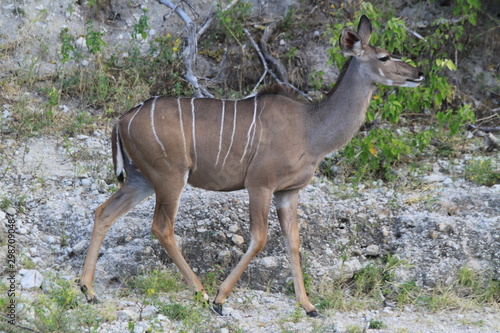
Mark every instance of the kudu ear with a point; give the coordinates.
(365, 30)
(350, 42)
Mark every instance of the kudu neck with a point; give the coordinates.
(337, 118)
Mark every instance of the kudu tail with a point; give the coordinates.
(119, 154)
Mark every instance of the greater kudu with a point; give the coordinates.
(270, 144)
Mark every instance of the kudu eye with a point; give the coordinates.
(384, 59)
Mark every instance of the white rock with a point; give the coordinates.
(372, 250)
(50, 239)
(80, 246)
(126, 314)
(238, 240)
(269, 262)
(234, 228)
(31, 279)
(81, 42)
(85, 182)
(434, 178)
(148, 311)
(141, 326)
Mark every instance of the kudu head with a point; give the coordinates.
(380, 66)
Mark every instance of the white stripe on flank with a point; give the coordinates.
(260, 134)
(135, 114)
(181, 124)
(232, 135)
(194, 133)
(221, 130)
(119, 157)
(252, 126)
(153, 126)
(255, 125)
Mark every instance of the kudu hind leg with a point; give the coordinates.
(167, 202)
(286, 205)
(106, 214)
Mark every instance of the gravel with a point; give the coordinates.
(437, 229)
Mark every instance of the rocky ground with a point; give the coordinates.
(432, 218)
(438, 227)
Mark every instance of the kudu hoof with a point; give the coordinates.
(202, 300)
(90, 300)
(217, 308)
(313, 314)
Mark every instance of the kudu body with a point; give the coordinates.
(269, 144)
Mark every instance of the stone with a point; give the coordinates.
(126, 314)
(224, 256)
(81, 246)
(50, 239)
(238, 240)
(345, 270)
(434, 178)
(269, 262)
(372, 250)
(30, 279)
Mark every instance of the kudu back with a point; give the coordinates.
(270, 144)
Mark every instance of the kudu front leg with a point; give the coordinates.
(286, 205)
(260, 202)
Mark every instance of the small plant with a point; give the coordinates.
(297, 313)
(376, 324)
(482, 171)
(89, 317)
(93, 39)
(354, 329)
(407, 293)
(156, 281)
(141, 26)
(472, 284)
(68, 49)
(316, 79)
(175, 311)
(232, 20)
(212, 279)
(367, 289)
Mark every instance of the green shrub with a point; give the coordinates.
(482, 171)
(377, 152)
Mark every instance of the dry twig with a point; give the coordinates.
(275, 62)
(191, 50)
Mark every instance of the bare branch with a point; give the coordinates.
(264, 63)
(416, 34)
(275, 62)
(485, 129)
(267, 70)
(191, 50)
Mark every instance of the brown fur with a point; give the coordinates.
(279, 89)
